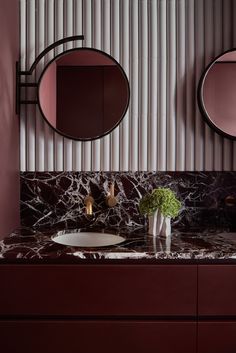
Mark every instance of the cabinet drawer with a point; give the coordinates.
(98, 290)
(216, 337)
(216, 289)
(97, 336)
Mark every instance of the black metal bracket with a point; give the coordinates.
(20, 73)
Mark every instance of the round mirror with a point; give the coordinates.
(217, 94)
(83, 94)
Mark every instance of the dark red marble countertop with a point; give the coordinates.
(27, 245)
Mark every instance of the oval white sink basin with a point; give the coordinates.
(87, 239)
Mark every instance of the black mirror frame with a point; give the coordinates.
(201, 101)
(20, 84)
(122, 72)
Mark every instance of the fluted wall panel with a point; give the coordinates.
(163, 46)
(218, 48)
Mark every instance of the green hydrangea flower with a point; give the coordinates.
(163, 199)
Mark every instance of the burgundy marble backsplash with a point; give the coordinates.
(56, 199)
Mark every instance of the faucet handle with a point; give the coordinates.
(111, 200)
(89, 201)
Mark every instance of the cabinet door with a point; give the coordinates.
(97, 336)
(217, 337)
(216, 290)
(99, 290)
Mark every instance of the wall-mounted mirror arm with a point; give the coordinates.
(20, 73)
(49, 48)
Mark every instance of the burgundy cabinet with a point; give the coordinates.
(98, 290)
(97, 336)
(217, 290)
(217, 337)
(98, 308)
(216, 304)
(118, 308)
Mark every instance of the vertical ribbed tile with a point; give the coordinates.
(143, 87)
(77, 30)
(190, 86)
(106, 46)
(199, 67)
(181, 87)
(218, 48)
(124, 61)
(30, 109)
(153, 61)
(49, 39)
(162, 50)
(134, 85)
(227, 44)
(87, 31)
(58, 139)
(67, 32)
(209, 55)
(39, 46)
(115, 52)
(164, 46)
(171, 86)
(96, 43)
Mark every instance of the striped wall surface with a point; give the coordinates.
(163, 45)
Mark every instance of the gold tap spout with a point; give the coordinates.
(89, 201)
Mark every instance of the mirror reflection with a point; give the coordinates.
(83, 94)
(218, 94)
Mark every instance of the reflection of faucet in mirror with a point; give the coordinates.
(89, 201)
(111, 200)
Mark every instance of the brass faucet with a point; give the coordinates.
(111, 200)
(89, 201)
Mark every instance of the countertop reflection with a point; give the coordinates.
(27, 245)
